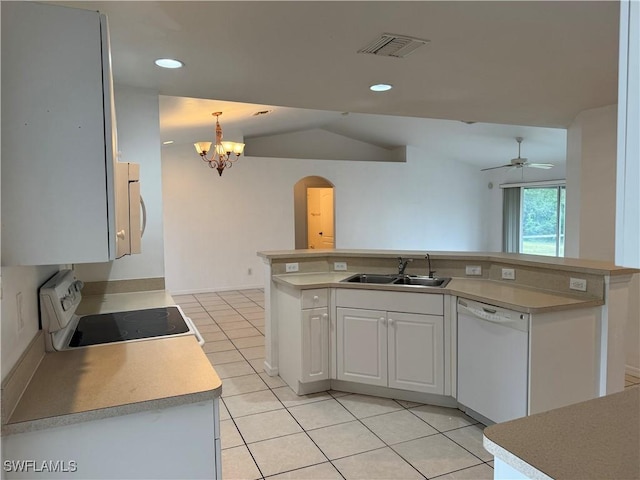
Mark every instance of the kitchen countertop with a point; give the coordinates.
(596, 439)
(115, 379)
(556, 263)
(518, 298)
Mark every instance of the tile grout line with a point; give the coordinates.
(225, 405)
(332, 397)
(294, 419)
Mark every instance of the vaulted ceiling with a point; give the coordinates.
(525, 63)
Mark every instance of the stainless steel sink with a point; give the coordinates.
(422, 281)
(386, 279)
(370, 278)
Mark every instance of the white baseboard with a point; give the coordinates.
(271, 371)
(216, 289)
(629, 370)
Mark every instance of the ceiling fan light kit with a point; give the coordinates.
(520, 162)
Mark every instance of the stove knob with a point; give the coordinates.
(67, 302)
(78, 285)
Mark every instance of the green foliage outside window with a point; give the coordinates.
(542, 221)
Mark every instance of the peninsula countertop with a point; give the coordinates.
(115, 379)
(519, 298)
(537, 261)
(596, 439)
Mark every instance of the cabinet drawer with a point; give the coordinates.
(428, 303)
(314, 298)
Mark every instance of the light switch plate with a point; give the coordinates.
(578, 284)
(292, 267)
(473, 270)
(508, 274)
(340, 266)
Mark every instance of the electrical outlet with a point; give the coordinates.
(473, 270)
(508, 274)
(292, 267)
(578, 284)
(20, 318)
(340, 266)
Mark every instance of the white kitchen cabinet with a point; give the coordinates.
(315, 344)
(362, 346)
(397, 349)
(416, 352)
(58, 136)
(182, 441)
(303, 337)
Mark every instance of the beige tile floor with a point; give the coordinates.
(630, 380)
(269, 432)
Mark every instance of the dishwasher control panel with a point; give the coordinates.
(491, 313)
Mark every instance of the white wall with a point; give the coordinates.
(591, 185)
(26, 280)
(137, 114)
(215, 225)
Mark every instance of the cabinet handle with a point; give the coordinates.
(325, 315)
(383, 320)
(316, 298)
(391, 321)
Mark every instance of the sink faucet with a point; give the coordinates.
(430, 272)
(402, 264)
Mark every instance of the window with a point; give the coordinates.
(533, 219)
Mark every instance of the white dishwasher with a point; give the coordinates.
(493, 352)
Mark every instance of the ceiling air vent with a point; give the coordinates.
(261, 112)
(391, 45)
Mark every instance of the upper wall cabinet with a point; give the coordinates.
(58, 136)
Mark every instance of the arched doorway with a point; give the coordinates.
(314, 213)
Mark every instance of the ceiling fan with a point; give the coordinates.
(520, 162)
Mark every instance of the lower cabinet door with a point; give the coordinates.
(315, 344)
(362, 346)
(416, 352)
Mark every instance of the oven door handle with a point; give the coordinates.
(196, 332)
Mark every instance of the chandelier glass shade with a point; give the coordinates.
(223, 154)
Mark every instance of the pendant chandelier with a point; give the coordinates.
(221, 156)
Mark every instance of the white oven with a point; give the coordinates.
(64, 330)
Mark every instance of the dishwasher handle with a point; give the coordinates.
(515, 320)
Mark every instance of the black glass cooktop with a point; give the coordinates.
(132, 325)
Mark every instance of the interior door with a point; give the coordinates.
(320, 230)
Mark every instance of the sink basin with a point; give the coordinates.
(370, 278)
(422, 281)
(397, 279)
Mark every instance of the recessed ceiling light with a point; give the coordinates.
(380, 87)
(168, 142)
(169, 63)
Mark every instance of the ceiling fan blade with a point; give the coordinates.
(545, 166)
(494, 168)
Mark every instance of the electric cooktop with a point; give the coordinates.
(130, 325)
